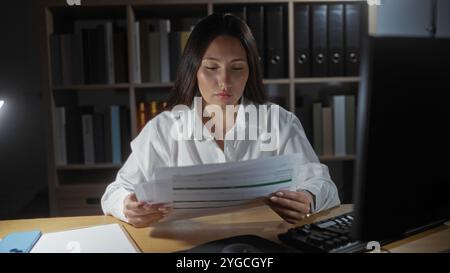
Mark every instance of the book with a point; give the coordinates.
(339, 125)
(350, 124)
(164, 46)
(115, 134)
(60, 138)
(88, 138)
(327, 123)
(317, 128)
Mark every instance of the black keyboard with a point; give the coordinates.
(331, 235)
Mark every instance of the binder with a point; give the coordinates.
(77, 59)
(319, 40)
(74, 141)
(174, 53)
(55, 50)
(275, 40)
(137, 52)
(66, 58)
(115, 134)
(318, 128)
(350, 114)
(352, 38)
(125, 132)
(155, 56)
(60, 139)
(302, 41)
(335, 40)
(107, 135)
(327, 123)
(99, 136)
(304, 112)
(19, 242)
(88, 138)
(144, 28)
(255, 20)
(164, 46)
(120, 57)
(339, 121)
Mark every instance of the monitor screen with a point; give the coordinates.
(402, 171)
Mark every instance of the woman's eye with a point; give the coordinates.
(211, 67)
(238, 68)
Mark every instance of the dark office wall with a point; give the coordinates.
(443, 19)
(413, 18)
(22, 141)
(404, 18)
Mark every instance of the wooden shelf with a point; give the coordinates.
(336, 158)
(276, 81)
(74, 167)
(92, 87)
(170, 84)
(153, 85)
(58, 18)
(326, 80)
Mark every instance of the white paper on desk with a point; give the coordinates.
(217, 188)
(98, 239)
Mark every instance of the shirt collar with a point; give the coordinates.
(195, 121)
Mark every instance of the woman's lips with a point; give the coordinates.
(223, 94)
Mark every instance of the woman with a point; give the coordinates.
(219, 68)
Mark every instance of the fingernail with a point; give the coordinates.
(163, 210)
(273, 198)
(279, 193)
(165, 213)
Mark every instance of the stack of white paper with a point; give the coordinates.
(98, 239)
(215, 188)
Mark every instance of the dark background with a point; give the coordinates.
(23, 178)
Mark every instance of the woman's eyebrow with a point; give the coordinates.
(215, 59)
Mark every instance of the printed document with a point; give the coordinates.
(208, 189)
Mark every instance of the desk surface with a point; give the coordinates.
(261, 221)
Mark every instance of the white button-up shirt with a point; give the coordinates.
(157, 146)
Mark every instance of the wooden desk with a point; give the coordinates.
(262, 221)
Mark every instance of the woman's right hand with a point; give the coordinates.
(142, 214)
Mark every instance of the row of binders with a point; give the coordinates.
(269, 28)
(327, 39)
(89, 135)
(330, 125)
(95, 53)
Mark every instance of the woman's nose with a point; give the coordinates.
(224, 79)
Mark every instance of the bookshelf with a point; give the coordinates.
(75, 188)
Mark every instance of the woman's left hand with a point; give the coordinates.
(292, 206)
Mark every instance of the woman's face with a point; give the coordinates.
(223, 72)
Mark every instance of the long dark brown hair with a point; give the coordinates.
(185, 86)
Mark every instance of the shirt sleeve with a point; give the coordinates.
(313, 176)
(147, 153)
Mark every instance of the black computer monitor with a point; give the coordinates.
(402, 171)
